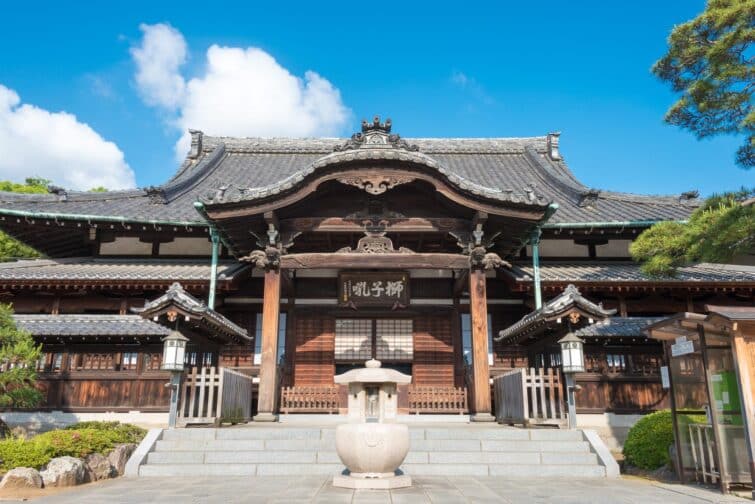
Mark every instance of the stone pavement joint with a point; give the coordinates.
(427, 489)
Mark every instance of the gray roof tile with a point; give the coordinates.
(617, 327)
(114, 269)
(505, 167)
(586, 272)
(89, 325)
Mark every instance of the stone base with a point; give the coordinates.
(482, 417)
(265, 417)
(389, 483)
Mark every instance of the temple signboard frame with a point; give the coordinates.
(373, 289)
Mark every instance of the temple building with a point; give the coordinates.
(454, 260)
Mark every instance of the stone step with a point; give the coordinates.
(434, 451)
(248, 433)
(239, 469)
(417, 433)
(331, 457)
(507, 470)
(434, 445)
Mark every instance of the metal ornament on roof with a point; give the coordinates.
(376, 135)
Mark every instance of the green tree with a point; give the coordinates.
(10, 248)
(18, 360)
(722, 228)
(710, 63)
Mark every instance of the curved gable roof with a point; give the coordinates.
(509, 169)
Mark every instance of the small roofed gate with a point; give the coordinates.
(210, 395)
(530, 397)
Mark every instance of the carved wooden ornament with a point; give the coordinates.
(375, 183)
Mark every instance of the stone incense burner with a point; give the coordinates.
(371, 445)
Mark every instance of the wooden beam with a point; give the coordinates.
(268, 368)
(388, 261)
(478, 309)
(356, 225)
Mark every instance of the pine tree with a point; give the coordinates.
(721, 229)
(710, 63)
(19, 355)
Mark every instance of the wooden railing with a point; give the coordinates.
(310, 399)
(208, 395)
(432, 399)
(530, 397)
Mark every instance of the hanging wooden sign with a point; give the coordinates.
(373, 288)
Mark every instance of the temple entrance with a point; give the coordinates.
(416, 344)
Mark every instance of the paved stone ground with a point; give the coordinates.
(436, 490)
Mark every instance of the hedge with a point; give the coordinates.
(648, 441)
(77, 440)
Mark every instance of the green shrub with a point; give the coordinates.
(78, 441)
(22, 453)
(125, 433)
(648, 441)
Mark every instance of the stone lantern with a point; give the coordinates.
(372, 446)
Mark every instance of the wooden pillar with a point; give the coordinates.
(268, 365)
(478, 311)
(743, 371)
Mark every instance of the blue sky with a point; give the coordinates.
(461, 70)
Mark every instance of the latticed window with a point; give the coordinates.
(387, 340)
(616, 363)
(393, 339)
(151, 361)
(128, 361)
(353, 339)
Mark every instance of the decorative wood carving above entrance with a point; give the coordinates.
(374, 243)
(375, 183)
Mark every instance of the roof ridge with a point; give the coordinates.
(179, 186)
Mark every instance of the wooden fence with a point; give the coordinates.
(208, 395)
(434, 399)
(530, 397)
(310, 399)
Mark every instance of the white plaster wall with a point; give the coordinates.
(187, 246)
(614, 248)
(126, 245)
(560, 248)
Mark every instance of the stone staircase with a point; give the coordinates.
(452, 450)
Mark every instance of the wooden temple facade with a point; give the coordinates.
(453, 260)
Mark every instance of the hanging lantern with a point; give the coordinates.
(572, 354)
(174, 349)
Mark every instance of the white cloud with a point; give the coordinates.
(55, 145)
(242, 91)
(158, 58)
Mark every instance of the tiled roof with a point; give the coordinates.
(617, 327)
(560, 306)
(84, 269)
(512, 169)
(177, 297)
(586, 272)
(89, 325)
